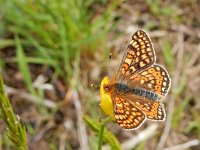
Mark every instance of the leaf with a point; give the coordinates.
(107, 137)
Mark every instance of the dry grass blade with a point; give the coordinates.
(175, 82)
(142, 136)
(50, 51)
(183, 146)
(82, 134)
(31, 98)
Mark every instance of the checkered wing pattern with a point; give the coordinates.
(127, 115)
(154, 79)
(153, 110)
(139, 56)
(140, 85)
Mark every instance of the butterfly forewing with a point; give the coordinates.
(139, 56)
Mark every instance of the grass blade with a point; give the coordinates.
(23, 66)
(14, 130)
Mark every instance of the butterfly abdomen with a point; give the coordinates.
(137, 91)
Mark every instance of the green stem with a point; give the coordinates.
(101, 130)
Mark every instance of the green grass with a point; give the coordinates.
(14, 130)
(163, 11)
(168, 55)
(104, 134)
(179, 112)
(61, 35)
(53, 32)
(23, 66)
(193, 126)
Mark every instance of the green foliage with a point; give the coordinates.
(52, 32)
(164, 11)
(168, 55)
(6, 43)
(179, 112)
(194, 126)
(158, 8)
(15, 132)
(140, 146)
(23, 66)
(107, 135)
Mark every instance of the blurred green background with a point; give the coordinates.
(52, 50)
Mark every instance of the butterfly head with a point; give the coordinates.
(106, 101)
(106, 88)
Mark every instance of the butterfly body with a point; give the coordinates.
(124, 88)
(138, 88)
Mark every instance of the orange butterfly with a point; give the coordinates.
(138, 88)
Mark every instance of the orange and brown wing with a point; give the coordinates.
(154, 79)
(126, 114)
(139, 56)
(153, 110)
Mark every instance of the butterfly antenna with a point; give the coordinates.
(110, 57)
(94, 86)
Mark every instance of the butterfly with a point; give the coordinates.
(137, 90)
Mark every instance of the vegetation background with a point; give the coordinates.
(51, 50)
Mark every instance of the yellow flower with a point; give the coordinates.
(106, 101)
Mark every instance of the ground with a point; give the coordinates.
(52, 52)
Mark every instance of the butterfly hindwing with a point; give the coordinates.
(127, 115)
(153, 110)
(154, 79)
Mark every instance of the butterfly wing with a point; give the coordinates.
(138, 70)
(139, 56)
(152, 109)
(155, 79)
(127, 115)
